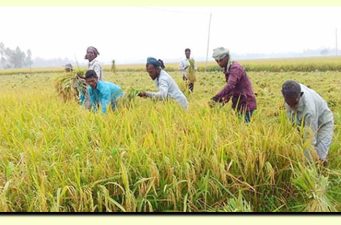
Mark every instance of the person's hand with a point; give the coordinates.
(142, 94)
(79, 76)
(212, 103)
(323, 162)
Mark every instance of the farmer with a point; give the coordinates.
(91, 55)
(238, 85)
(305, 107)
(164, 82)
(187, 67)
(101, 92)
(68, 68)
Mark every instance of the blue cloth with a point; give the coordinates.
(153, 61)
(105, 93)
(81, 98)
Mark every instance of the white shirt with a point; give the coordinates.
(312, 109)
(184, 65)
(96, 66)
(168, 88)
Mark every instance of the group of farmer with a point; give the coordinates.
(304, 106)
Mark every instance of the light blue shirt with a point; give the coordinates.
(105, 93)
(168, 88)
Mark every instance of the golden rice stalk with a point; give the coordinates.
(66, 86)
(191, 71)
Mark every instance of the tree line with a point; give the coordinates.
(14, 58)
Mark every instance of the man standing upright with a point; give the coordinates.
(91, 55)
(187, 67)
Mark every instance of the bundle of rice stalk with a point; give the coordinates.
(184, 87)
(191, 71)
(79, 84)
(236, 204)
(130, 97)
(132, 93)
(66, 86)
(313, 187)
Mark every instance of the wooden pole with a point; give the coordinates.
(208, 40)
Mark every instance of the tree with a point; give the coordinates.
(2, 55)
(28, 61)
(14, 58)
(324, 51)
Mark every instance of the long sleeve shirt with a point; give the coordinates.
(312, 111)
(168, 88)
(238, 87)
(104, 94)
(96, 66)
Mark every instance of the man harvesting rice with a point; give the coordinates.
(101, 92)
(165, 83)
(238, 85)
(305, 107)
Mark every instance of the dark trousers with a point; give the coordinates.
(247, 115)
(191, 87)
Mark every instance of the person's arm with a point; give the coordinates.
(117, 93)
(93, 103)
(105, 99)
(162, 93)
(310, 126)
(290, 114)
(225, 94)
(81, 98)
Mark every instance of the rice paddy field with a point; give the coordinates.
(154, 157)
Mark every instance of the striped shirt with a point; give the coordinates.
(96, 66)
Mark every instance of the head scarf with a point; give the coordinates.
(220, 53)
(153, 61)
(91, 48)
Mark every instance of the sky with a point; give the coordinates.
(131, 34)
